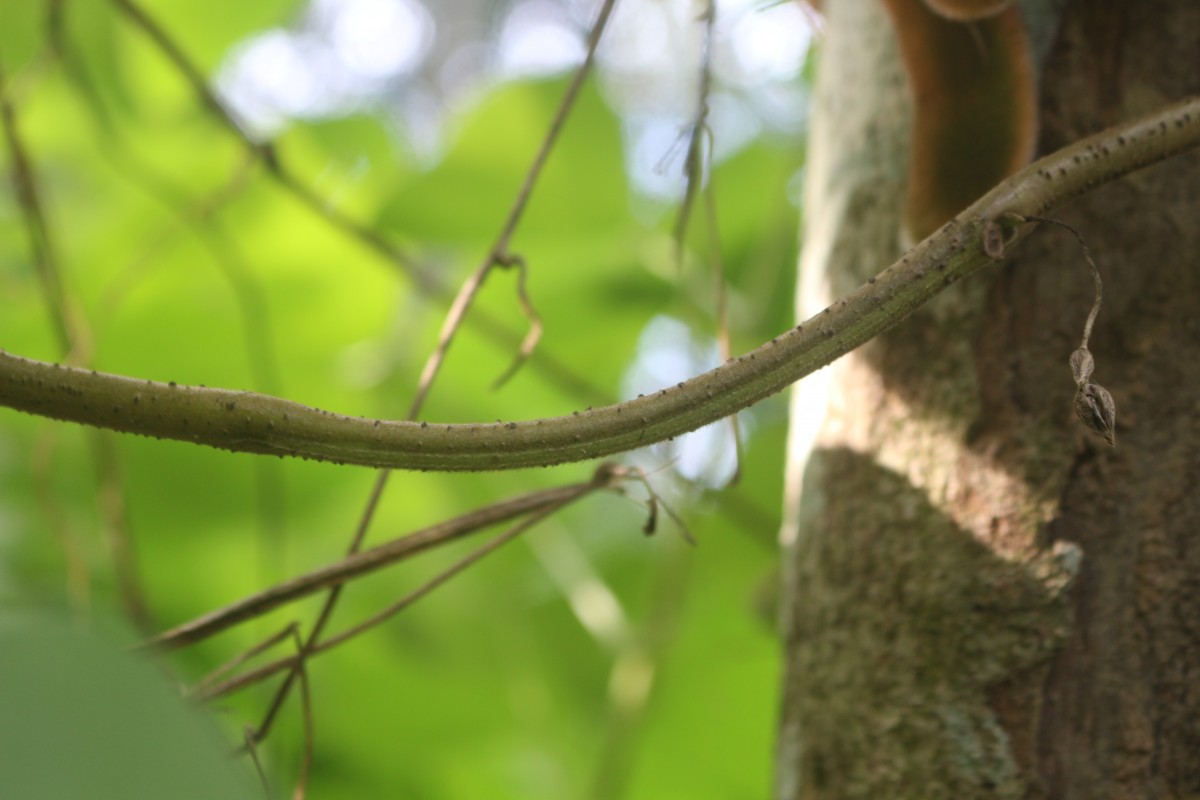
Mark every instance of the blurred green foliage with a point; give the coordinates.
(492, 687)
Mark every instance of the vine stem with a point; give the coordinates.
(1087, 256)
(249, 422)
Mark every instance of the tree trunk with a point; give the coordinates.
(982, 599)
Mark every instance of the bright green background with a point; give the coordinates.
(490, 687)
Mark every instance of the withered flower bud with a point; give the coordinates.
(1096, 408)
(1082, 365)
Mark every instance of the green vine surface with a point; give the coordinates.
(257, 423)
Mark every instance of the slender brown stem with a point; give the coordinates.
(252, 748)
(499, 255)
(1087, 256)
(327, 607)
(360, 563)
(450, 572)
(289, 631)
(426, 281)
(694, 160)
(306, 713)
(267, 670)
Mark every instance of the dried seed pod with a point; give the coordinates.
(1082, 365)
(1096, 408)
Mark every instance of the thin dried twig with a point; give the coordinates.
(454, 569)
(425, 280)
(694, 161)
(653, 503)
(535, 323)
(266, 671)
(263, 150)
(721, 311)
(1093, 404)
(499, 254)
(306, 715)
(289, 631)
(252, 749)
(327, 608)
(356, 564)
(698, 170)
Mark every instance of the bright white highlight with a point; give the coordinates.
(378, 38)
(667, 354)
(539, 39)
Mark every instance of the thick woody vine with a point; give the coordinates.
(256, 423)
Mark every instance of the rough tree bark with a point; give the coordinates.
(981, 598)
